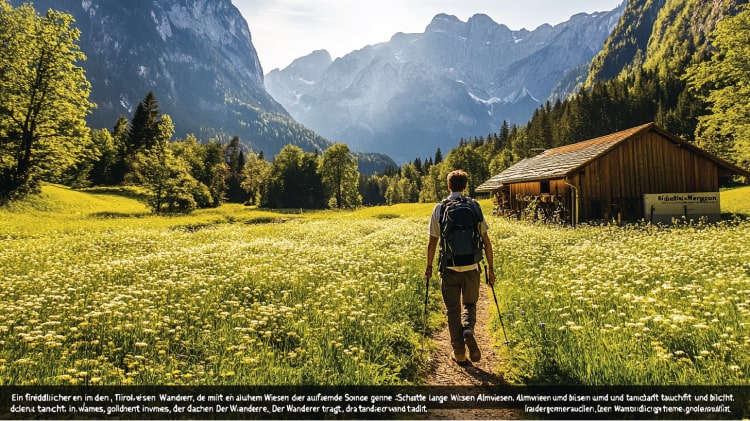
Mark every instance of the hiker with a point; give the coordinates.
(459, 275)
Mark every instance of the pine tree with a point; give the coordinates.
(144, 125)
(438, 156)
(502, 138)
(235, 160)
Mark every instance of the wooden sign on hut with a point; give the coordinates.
(608, 178)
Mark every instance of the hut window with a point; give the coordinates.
(544, 187)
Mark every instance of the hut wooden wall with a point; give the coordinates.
(521, 194)
(533, 188)
(649, 163)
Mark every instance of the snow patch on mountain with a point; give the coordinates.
(456, 79)
(490, 101)
(162, 26)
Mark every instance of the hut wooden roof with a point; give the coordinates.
(560, 162)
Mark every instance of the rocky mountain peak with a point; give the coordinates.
(416, 92)
(445, 23)
(196, 56)
(481, 23)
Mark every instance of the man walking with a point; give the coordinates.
(459, 265)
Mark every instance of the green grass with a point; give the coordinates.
(736, 200)
(637, 305)
(233, 295)
(96, 290)
(628, 306)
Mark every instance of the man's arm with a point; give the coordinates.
(431, 247)
(490, 258)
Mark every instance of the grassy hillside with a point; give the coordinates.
(59, 208)
(95, 290)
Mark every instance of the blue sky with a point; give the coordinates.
(283, 30)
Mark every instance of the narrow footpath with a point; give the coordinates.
(486, 372)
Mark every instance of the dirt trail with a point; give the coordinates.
(487, 372)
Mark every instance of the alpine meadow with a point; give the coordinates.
(203, 237)
(96, 290)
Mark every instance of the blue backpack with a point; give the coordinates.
(460, 240)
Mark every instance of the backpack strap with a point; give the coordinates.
(477, 211)
(441, 224)
(442, 207)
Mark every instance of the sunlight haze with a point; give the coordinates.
(283, 30)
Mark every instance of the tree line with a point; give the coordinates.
(705, 100)
(43, 137)
(43, 134)
(184, 174)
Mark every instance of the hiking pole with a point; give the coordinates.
(424, 322)
(494, 296)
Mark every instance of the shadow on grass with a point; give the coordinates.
(118, 215)
(122, 191)
(731, 216)
(199, 226)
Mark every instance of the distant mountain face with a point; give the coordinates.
(417, 92)
(195, 55)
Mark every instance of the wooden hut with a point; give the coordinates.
(609, 177)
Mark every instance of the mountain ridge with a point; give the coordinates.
(198, 58)
(419, 91)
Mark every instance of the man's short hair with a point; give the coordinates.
(457, 180)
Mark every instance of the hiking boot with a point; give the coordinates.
(474, 353)
(460, 359)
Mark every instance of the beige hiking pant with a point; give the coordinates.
(460, 294)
